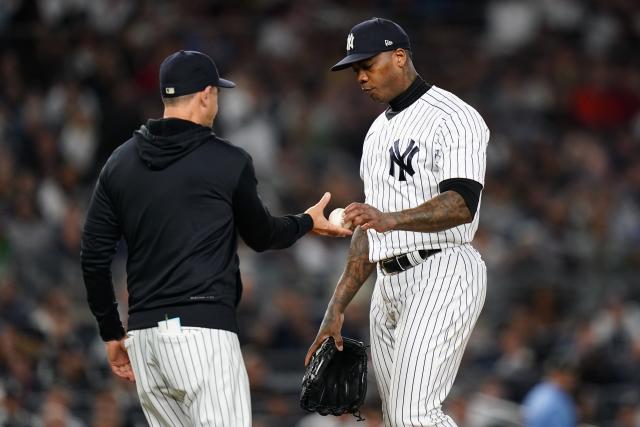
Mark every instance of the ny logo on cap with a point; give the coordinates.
(350, 42)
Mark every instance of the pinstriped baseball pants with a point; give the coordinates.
(420, 322)
(195, 377)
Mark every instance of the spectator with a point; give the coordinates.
(550, 404)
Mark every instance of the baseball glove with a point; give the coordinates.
(335, 382)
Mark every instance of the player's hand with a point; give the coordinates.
(119, 359)
(330, 327)
(367, 217)
(321, 224)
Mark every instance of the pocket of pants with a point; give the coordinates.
(172, 337)
(128, 340)
(176, 352)
(184, 333)
(452, 285)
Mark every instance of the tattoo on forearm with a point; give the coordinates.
(444, 211)
(356, 272)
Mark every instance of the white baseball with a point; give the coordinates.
(336, 217)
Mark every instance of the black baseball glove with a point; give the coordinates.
(335, 382)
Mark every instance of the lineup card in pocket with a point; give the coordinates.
(170, 326)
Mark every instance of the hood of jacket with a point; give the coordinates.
(161, 142)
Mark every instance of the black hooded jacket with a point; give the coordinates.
(179, 195)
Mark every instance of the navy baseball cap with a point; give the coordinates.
(189, 71)
(369, 38)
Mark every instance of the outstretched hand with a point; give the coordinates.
(119, 359)
(368, 217)
(321, 224)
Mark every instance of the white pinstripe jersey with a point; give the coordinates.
(404, 158)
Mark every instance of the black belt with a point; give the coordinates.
(404, 262)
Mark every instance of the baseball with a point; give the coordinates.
(336, 216)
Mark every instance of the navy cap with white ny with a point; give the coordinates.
(369, 38)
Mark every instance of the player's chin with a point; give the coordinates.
(374, 96)
(378, 98)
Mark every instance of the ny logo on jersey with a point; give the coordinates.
(403, 161)
(350, 42)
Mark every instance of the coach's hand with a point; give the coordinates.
(321, 224)
(119, 359)
(368, 217)
(330, 327)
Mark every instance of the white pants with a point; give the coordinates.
(195, 377)
(421, 320)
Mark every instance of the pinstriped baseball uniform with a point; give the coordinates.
(421, 318)
(195, 377)
(181, 197)
(448, 139)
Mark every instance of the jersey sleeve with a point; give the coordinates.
(100, 238)
(257, 227)
(463, 142)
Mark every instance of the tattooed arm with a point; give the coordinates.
(444, 211)
(356, 272)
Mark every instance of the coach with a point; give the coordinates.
(180, 195)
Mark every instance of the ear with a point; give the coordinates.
(400, 57)
(205, 95)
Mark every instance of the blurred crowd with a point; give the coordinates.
(558, 82)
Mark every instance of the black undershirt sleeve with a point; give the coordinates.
(467, 188)
(257, 227)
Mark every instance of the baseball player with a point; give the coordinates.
(423, 166)
(180, 195)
